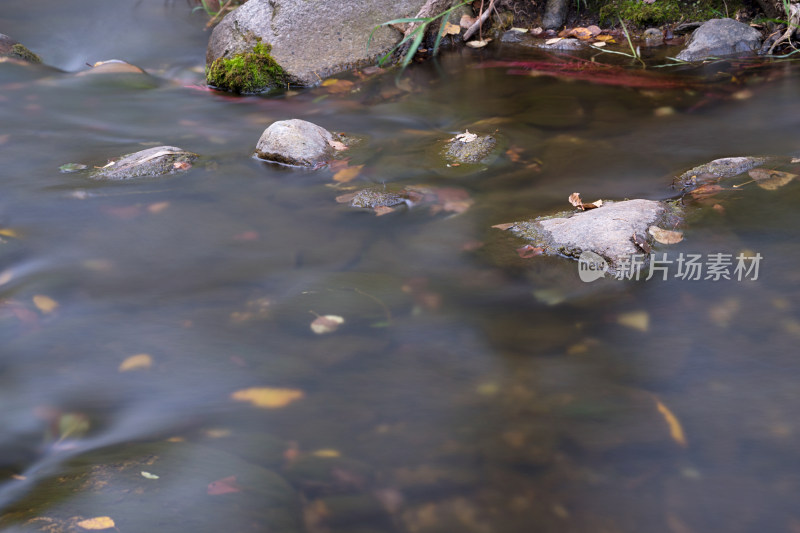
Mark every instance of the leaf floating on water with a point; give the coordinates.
(675, 428)
(347, 174)
(45, 304)
(268, 397)
(148, 475)
(223, 486)
(326, 324)
(97, 523)
(326, 452)
(478, 44)
(72, 167)
(639, 320)
(8, 232)
(665, 236)
(336, 86)
(136, 362)
(770, 179)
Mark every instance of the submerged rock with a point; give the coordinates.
(303, 39)
(469, 148)
(11, 48)
(149, 163)
(296, 142)
(717, 169)
(720, 38)
(614, 231)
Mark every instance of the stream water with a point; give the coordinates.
(469, 389)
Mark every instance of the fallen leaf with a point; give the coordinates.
(467, 21)
(6, 276)
(675, 428)
(771, 179)
(465, 137)
(665, 236)
(123, 212)
(478, 43)
(599, 44)
(451, 29)
(181, 165)
(326, 324)
(605, 38)
(639, 320)
(504, 226)
(705, 191)
(347, 174)
(346, 198)
(223, 486)
(326, 453)
(148, 475)
(594, 30)
(72, 167)
(157, 207)
(575, 199)
(45, 304)
(136, 362)
(267, 397)
(335, 86)
(8, 232)
(100, 522)
(583, 34)
(528, 251)
(337, 145)
(554, 40)
(382, 210)
(520, 30)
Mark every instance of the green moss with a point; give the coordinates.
(21, 52)
(664, 11)
(249, 72)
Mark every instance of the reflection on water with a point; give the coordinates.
(468, 389)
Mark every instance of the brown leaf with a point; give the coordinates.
(575, 199)
(583, 34)
(504, 226)
(337, 145)
(705, 191)
(382, 210)
(771, 179)
(451, 29)
(347, 174)
(665, 236)
(528, 251)
(595, 30)
(223, 486)
(346, 198)
(44, 303)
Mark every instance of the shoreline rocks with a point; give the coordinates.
(721, 38)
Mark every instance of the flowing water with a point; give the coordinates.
(469, 389)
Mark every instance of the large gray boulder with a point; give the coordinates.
(612, 231)
(310, 40)
(720, 38)
(296, 142)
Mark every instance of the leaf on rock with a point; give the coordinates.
(675, 428)
(97, 523)
(554, 40)
(505, 226)
(136, 362)
(583, 34)
(347, 174)
(465, 137)
(520, 30)
(605, 38)
(337, 145)
(451, 29)
(575, 199)
(326, 324)
(771, 179)
(665, 236)
(45, 304)
(268, 397)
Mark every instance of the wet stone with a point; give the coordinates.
(717, 169)
(607, 231)
(150, 163)
(461, 151)
(13, 49)
(297, 143)
(720, 38)
(372, 198)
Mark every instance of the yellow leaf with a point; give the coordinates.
(635, 320)
(135, 362)
(451, 29)
(45, 304)
(99, 522)
(329, 82)
(771, 179)
(267, 397)
(326, 453)
(347, 174)
(675, 428)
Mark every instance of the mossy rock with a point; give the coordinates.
(247, 72)
(11, 48)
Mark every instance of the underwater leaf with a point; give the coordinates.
(72, 167)
(347, 174)
(97, 523)
(45, 304)
(157, 207)
(528, 251)
(267, 397)
(8, 232)
(771, 179)
(223, 486)
(136, 362)
(706, 191)
(639, 320)
(326, 324)
(675, 428)
(665, 236)
(326, 452)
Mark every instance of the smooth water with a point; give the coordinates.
(469, 389)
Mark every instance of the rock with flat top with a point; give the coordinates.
(296, 142)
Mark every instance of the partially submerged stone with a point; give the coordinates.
(296, 142)
(721, 38)
(449, 200)
(13, 49)
(717, 169)
(467, 148)
(149, 163)
(310, 40)
(611, 231)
